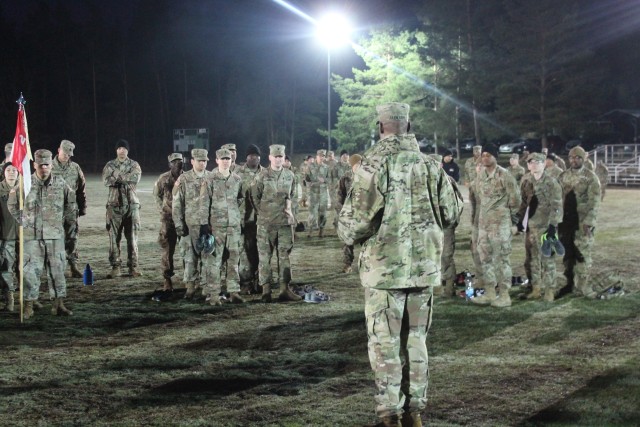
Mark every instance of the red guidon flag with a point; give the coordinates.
(21, 152)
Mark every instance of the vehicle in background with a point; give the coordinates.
(518, 146)
(428, 146)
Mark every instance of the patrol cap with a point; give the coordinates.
(578, 152)
(42, 157)
(223, 153)
(175, 156)
(322, 153)
(67, 147)
(477, 148)
(230, 147)
(515, 156)
(276, 150)
(538, 157)
(393, 112)
(330, 153)
(354, 159)
(8, 147)
(199, 154)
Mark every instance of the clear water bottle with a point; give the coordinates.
(468, 286)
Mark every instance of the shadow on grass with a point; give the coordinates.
(607, 399)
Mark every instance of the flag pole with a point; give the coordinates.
(21, 250)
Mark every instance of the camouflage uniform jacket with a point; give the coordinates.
(470, 169)
(73, 176)
(269, 194)
(163, 195)
(498, 196)
(581, 194)
(553, 171)
(543, 197)
(340, 170)
(247, 175)
(400, 201)
(344, 185)
(186, 200)
(331, 165)
(47, 208)
(313, 175)
(302, 172)
(8, 224)
(221, 197)
(560, 163)
(122, 179)
(602, 172)
(589, 164)
(517, 171)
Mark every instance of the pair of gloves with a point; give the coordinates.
(552, 230)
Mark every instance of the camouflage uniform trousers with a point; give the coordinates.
(8, 264)
(447, 258)
(494, 250)
(476, 257)
(46, 256)
(248, 268)
(540, 270)
(193, 264)
(336, 207)
(71, 241)
(227, 253)
(274, 238)
(125, 219)
(317, 208)
(168, 239)
(398, 321)
(577, 258)
(347, 254)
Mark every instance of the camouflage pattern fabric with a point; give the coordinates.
(542, 204)
(560, 163)
(47, 208)
(475, 214)
(8, 264)
(271, 191)
(123, 208)
(167, 238)
(318, 197)
(248, 267)
(517, 171)
(221, 197)
(344, 185)
(499, 198)
(553, 171)
(602, 172)
(187, 217)
(447, 260)
(74, 177)
(8, 224)
(581, 202)
(470, 169)
(336, 172)
(302, 172)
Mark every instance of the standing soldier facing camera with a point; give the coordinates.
(122, 175)
(71, 172)
(163, 195)
(48, 209)
(399, 203)
(317, 179)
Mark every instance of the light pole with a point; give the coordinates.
(334, 31)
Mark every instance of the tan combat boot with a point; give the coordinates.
(115, 272)
(133, 272)
(393, 421)
(10, 301)
(168, 286)
(411, 419)
(549, 295)
(191, 289)
(287, 295)
(36, 305)
(486, 298)
(28, 309)
(321, 233)
(503, 300)
(266, 292)
(75, 273)
(347, 269)
(59, 308)
(235, 298)
(536, 293)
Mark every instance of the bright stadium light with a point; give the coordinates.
(333, 30)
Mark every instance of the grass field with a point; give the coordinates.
(122, 359)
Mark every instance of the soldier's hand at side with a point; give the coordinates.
(515, 219)
(551, 232)
(587, 229)
(520, 226)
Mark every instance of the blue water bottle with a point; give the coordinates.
(87, 277)
(469, 290)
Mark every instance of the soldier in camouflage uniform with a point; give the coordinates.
(470, 165)
(398, 205)
(187, 217)
(122, 175)
(317, 179)
(515, 169)
(524, 157)
(339, 169)
(220, 200)
(581, 202)
(163, 195)
(71, 172)
(248, 267)
(344, 185)
(475, 215)
(302, 170)
(332, 183)
(48, 209)
(602, 172)
(8, 148)
(551, 167)
(8, 236)
(542, 207)
(287, 165)
(499, 200)
(234, 155)
(274, 197)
